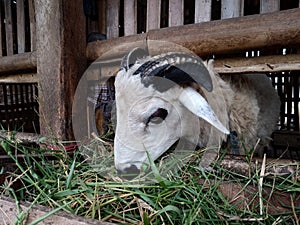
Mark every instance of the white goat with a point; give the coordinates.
(159, 102)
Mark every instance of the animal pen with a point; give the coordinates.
(40, 68)
(44, 52)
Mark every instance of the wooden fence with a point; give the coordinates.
(44, 43)
(128, 17)
(264, 42)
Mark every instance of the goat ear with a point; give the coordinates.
(195, 103)
(133, 56)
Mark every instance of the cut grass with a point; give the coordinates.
(86, 187)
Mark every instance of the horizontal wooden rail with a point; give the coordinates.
(18, 62)
(19, 78)
(279, 29)
(274, 63)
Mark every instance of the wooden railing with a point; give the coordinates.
(128, 17)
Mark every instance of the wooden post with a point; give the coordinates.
(176, 12)
(112, 18)
(232, 8)
(153, 14)
(203, 10)
(267, 6)
(61, 61)
(130, 14)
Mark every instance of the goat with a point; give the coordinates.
(164, 98)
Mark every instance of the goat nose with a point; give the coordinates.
(129, 172)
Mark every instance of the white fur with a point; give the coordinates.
(247, 104)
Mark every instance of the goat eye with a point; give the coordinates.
(158, 116)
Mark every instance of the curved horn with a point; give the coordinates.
(132, 56)
(177, 67)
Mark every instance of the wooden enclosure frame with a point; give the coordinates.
(60, 54)
(254, 32)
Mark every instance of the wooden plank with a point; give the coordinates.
(275, 63)
(14, 63)
(217, 37)
(267, 6)
(32, 24)
(130, 17)
(176, 13)
(153, 14)
(19, 78)
(232, 8)
(203, 10)
(60, 69)
(8, 28)
(112, 18)
(1, 53)
(102, 16)
(21, 26)
(10, 214)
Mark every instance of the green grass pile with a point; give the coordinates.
(88, 187)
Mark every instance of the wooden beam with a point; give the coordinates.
(61, 61)
(271, 30)
(19, 78)
(18, 62)
(274, 63)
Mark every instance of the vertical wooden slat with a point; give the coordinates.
(176, 13)
(269, 6)
(203, 10)
(102, 16)
(1, 53)
(8, 27)
(232, 8)
(21, 26)
(153, 14)
(130, 16)
(112, 18)
(32, 24)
